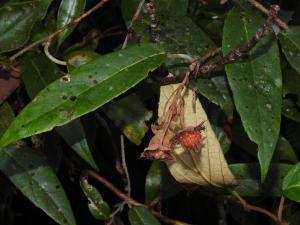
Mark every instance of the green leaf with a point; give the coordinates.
(141, 216)
(217, 91)
(248, 178)
(128, 8)
(38, 72)
(165, 8)
(41, 7)
(67, 12)
(222, 138)
(159, 179)
(37, 181)
(98, 208)
(291, 82)
(291, 183)
(290, 45)
(84, 90)
(255, 83)
(6, 115)
(291, 110)
(79, 58)
(193, 41)
(284, 151)
(153, 181)
(129, 113)
(170, 8)
(16, 21)
(74, 136)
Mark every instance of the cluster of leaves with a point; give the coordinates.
(252, 103)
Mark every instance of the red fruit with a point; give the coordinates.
(191, 138)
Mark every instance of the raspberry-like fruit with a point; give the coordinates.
(190, 138)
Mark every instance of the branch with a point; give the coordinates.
(134, 18)
(153, 22)
(260, 7)
(115, 190)
(129, 200)
(280, 210)
(124, 166)
(57, 32)
(231, 56)
(254, 208)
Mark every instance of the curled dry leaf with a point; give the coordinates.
(205, 167)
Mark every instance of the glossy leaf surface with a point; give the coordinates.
(217, 91)
(67, 12)
(84, 90)
(129, 113)
(159, 180)
(141, 216)
(290, 43)
(291, 183)
(98, 208)
(37, 181)
(255, 83)
(291, 110)
(16, 21)
(42, 7)
(37, 73)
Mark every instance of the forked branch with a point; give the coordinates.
(234, 54)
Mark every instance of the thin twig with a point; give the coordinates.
(252, 207)
(131, 201)
(134, 18)
(260, 7)
(181, 56)
(178, 79)
(124, 165)
(167, 220)
(51, 57)
(280, 210)
(57, 32)
(115, 190)
(234, 54)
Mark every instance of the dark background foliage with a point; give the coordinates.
(104, 32)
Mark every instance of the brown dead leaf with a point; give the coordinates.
(205, 167)
(9, 82)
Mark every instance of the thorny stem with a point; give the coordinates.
(260, 7)
(57, 32)
(254, 208)
(234, 54)
(130, 200)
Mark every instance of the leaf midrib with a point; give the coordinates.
(24, 168)
(62, 103)
(254, 83)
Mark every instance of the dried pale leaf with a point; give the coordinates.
(205, 167)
